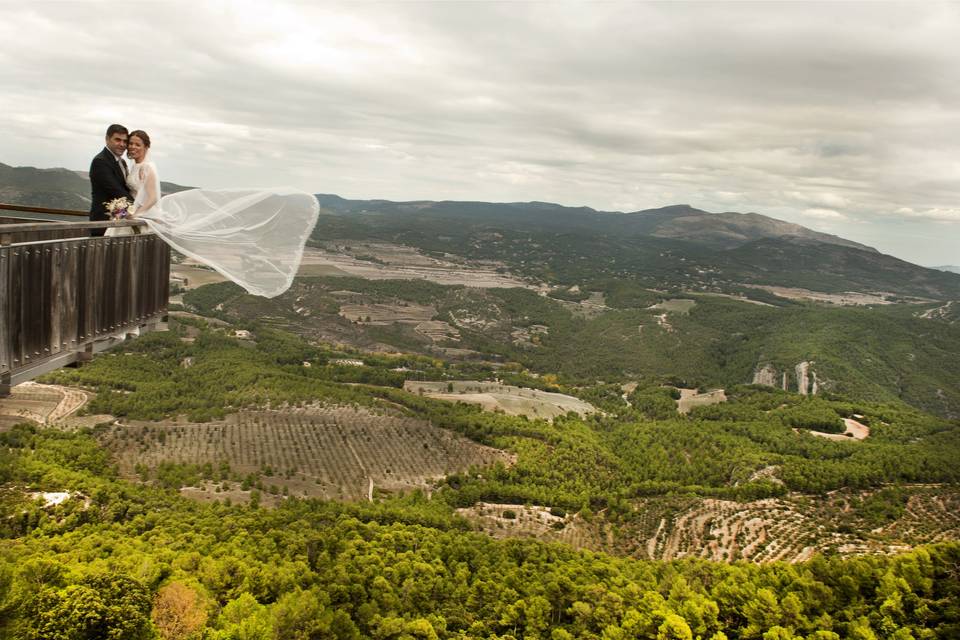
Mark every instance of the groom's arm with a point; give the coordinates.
(102, 174)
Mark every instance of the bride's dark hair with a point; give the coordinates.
(142, 135)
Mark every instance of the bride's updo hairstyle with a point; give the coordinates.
(142, 135)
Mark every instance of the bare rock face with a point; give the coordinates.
(766, 375)
(806, 379)
(803, 373)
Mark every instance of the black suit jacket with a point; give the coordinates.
(106, 183)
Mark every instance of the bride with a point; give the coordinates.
(254, 237)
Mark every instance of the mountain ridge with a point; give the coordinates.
(56, 187)
(672, 246)
(724, 230)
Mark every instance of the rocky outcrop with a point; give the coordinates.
(766, 376)
(807, 382)
(806, 379)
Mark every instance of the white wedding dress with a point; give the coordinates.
(254, 237)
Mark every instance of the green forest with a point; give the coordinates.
(120, 560)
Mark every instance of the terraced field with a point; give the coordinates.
(760, 531)
(791, 529)
(331, 452)
(930, 517)
(795, 528)
(45, 404)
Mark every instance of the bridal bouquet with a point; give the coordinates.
(118, 208)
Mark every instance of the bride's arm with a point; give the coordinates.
(150, 191)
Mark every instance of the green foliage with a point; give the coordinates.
(628, 294)
(145, 379)
(319, 569)
(657, 403)
(100, 606)
(813, 413)
(569, 295)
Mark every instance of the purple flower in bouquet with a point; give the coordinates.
(118, 208)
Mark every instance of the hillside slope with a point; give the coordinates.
(676, 246)
(54, 188)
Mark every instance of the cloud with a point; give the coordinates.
(939, 215)
(824, 214)
(850, 109)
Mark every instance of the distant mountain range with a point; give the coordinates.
(680, 222)
(948, 267)
(674, 246)
(54, 188)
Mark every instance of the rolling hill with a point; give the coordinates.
(676, 246)
(55, 188)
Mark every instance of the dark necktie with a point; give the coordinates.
(123, 167)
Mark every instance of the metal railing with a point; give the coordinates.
(65, 295)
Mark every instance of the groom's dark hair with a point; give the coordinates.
(116, 128)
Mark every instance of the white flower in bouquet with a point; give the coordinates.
(118, 208)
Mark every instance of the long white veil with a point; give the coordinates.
(254, 237)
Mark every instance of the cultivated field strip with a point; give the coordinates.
(930, 517)
(334, 452)
(793, 531)
(42, 403)
(760, 531)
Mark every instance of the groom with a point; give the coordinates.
(108, 175)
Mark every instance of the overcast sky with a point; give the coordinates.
(841, 117)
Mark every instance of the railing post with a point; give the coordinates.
(85, 355)
(5, 365)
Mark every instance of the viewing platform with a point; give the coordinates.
(65, 295)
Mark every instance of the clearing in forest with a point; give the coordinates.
(384, 261)
(675, 305)
(493, 396)
(690, 398)
(532, 521)
(845, 299)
